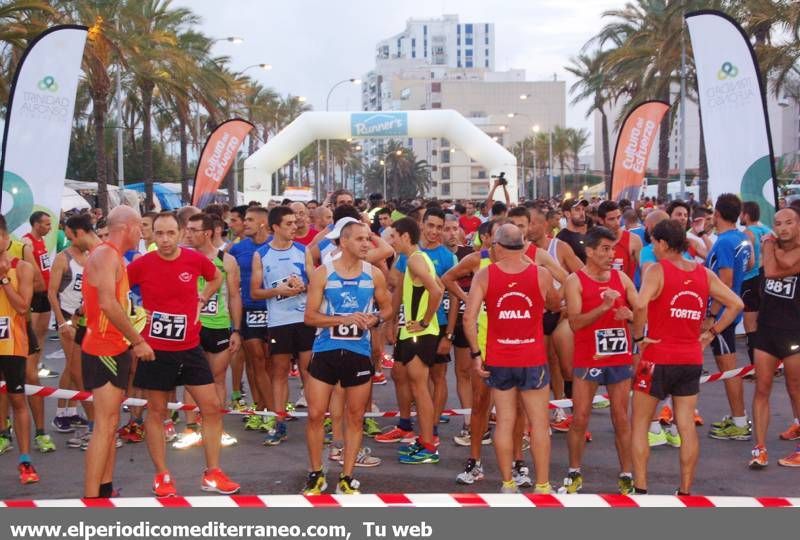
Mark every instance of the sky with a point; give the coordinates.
(313, 44)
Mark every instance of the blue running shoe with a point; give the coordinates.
(420, 457)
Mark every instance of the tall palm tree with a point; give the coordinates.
(577, 140)
(561, 152)
(20, 21)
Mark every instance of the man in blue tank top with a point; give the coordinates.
(754, 230)
(340, 300)
(279, 277)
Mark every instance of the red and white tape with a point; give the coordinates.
(76, 395)
(418, 500)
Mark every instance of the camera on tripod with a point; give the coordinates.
(501, 179)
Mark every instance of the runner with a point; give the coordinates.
(673, 300)
(575, 213)
(340, 303)
(173, 331)
(110, 342)
(598, 304)
(16, 291)
(305, 232)
(628, 246)
(730, 258)
(514, 363)
(418, 336)
(279, 277)
(220, 320)
(776, 337)
(755, 231)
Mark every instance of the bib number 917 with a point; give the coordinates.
(611, 341)
(168, 326)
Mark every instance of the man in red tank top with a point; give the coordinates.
(628, 246)
(515, 365)
(598, 305)
(673, 300)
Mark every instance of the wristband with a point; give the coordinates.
(450, 336)
(65, 323)
(476, 354)
(235, 331)
(424, 324)
(638, 340)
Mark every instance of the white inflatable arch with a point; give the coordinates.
(313, 125)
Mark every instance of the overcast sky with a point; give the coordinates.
(312, 44)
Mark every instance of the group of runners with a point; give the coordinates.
(528, 302)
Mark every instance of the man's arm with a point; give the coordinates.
(551, 296)
(56, 273)
(466, 266)
(779, 263)
(257, 289)
(419, 270)
(381, 252)
(20, 298)
(722, 294)
(635, 246)
(544, 259)
(233, 279)
(477, 293)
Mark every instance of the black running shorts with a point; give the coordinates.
(341, 366)
(99, 370)
(173, 368)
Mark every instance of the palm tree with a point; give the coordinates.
(561, 152)
(406, 176)
(20, 21)
(576, 142)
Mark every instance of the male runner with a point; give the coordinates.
(628, 246)
(755, 231)
(279, 277)
(220, 320)
(776, 337)
(173, 331)
(110, 342)
(514, 363)
(418, 336)
(673, 300)
(598, 304)
(305, 232)
(341, 294)
(730, 258)
(575, 213)
(16, 291)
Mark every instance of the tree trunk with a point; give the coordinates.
(147, 143)
(606, 153)
(184, 142)
(99, 107)
(562, 181)
(663, 155)
(702, 165)
(231, 185)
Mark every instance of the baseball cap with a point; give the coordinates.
(376, 197)
(569, 204)
(337, 229)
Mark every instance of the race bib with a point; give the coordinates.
(611, 341)
(5, 328)
(616, 264)
(44, 260)
(168, 326)
(78, 285)
(278, 282)
(211, 306)
(401, 316)
(256, 319)
(782, 288)
(446, 302)
(346, 331)
(462, 306)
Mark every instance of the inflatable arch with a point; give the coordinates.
(313, 125)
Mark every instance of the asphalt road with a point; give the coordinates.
(269, 470)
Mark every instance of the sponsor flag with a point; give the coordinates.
(217, 157)
(634, 143)
(38, 126)
(733, 111)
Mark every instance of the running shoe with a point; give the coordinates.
(163, 486)
(44, 443)
(379, 379)
(395, 435)
(722, 424)
(409, 448)
(673, 439)
(526, 441)
(792, 460)
(791, 434)
(473, 471)
(759, 458)
(602, 403)
(301, 402)
(79, 421)
(62, 424)
(347, 485)
(188, 439)
(78, 440)
(732, 433)
(268, 423)
(276, 436)
(170, 434)
(294, 373)
(463, 438)
(228, 440)
(562, 425)
(371, 427)
(421, 456)
(625, 484)
(543, 489)
(27, 474)
(387, 362)
(315, 483)
(657, 439)
(698, 420)
(176, 417)
(335, 453)
(665, 416)
(217, 481)
(509, 487)
(521, 474)
(364, 458)
(85, 442)
(444, 419)
(573, 483)
(132, 432)
(5, 444)
(253, 422)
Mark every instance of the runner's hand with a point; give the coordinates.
(235, 343)
(706, 338)
(645, 342)
(477, 365)
(444, 346)
(143, 352)
(284, 289)
(414, 327)
(609, 296)
(67, 331)
(623, 314)
(5, 266)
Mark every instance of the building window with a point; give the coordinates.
(469, 63)
(458, 29)
(486, 53)
(458, 41)
(468, 41)
(459, 63)
(444, 143)
(486, 40)
(413, 42)
(413, 53)
(445, 173)
(436, 87)
(486, 62)
(469, 52)
(479, 189)
(445, 189)
(486, 28)
(468, 28)
(425, 29)
(445, 157)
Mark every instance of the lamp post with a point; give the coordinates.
(328, 141)
(265, 67)
(533, 128)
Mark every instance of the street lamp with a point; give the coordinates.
(385, 163)
(265, 67)
(230, 39)
(351, 80)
